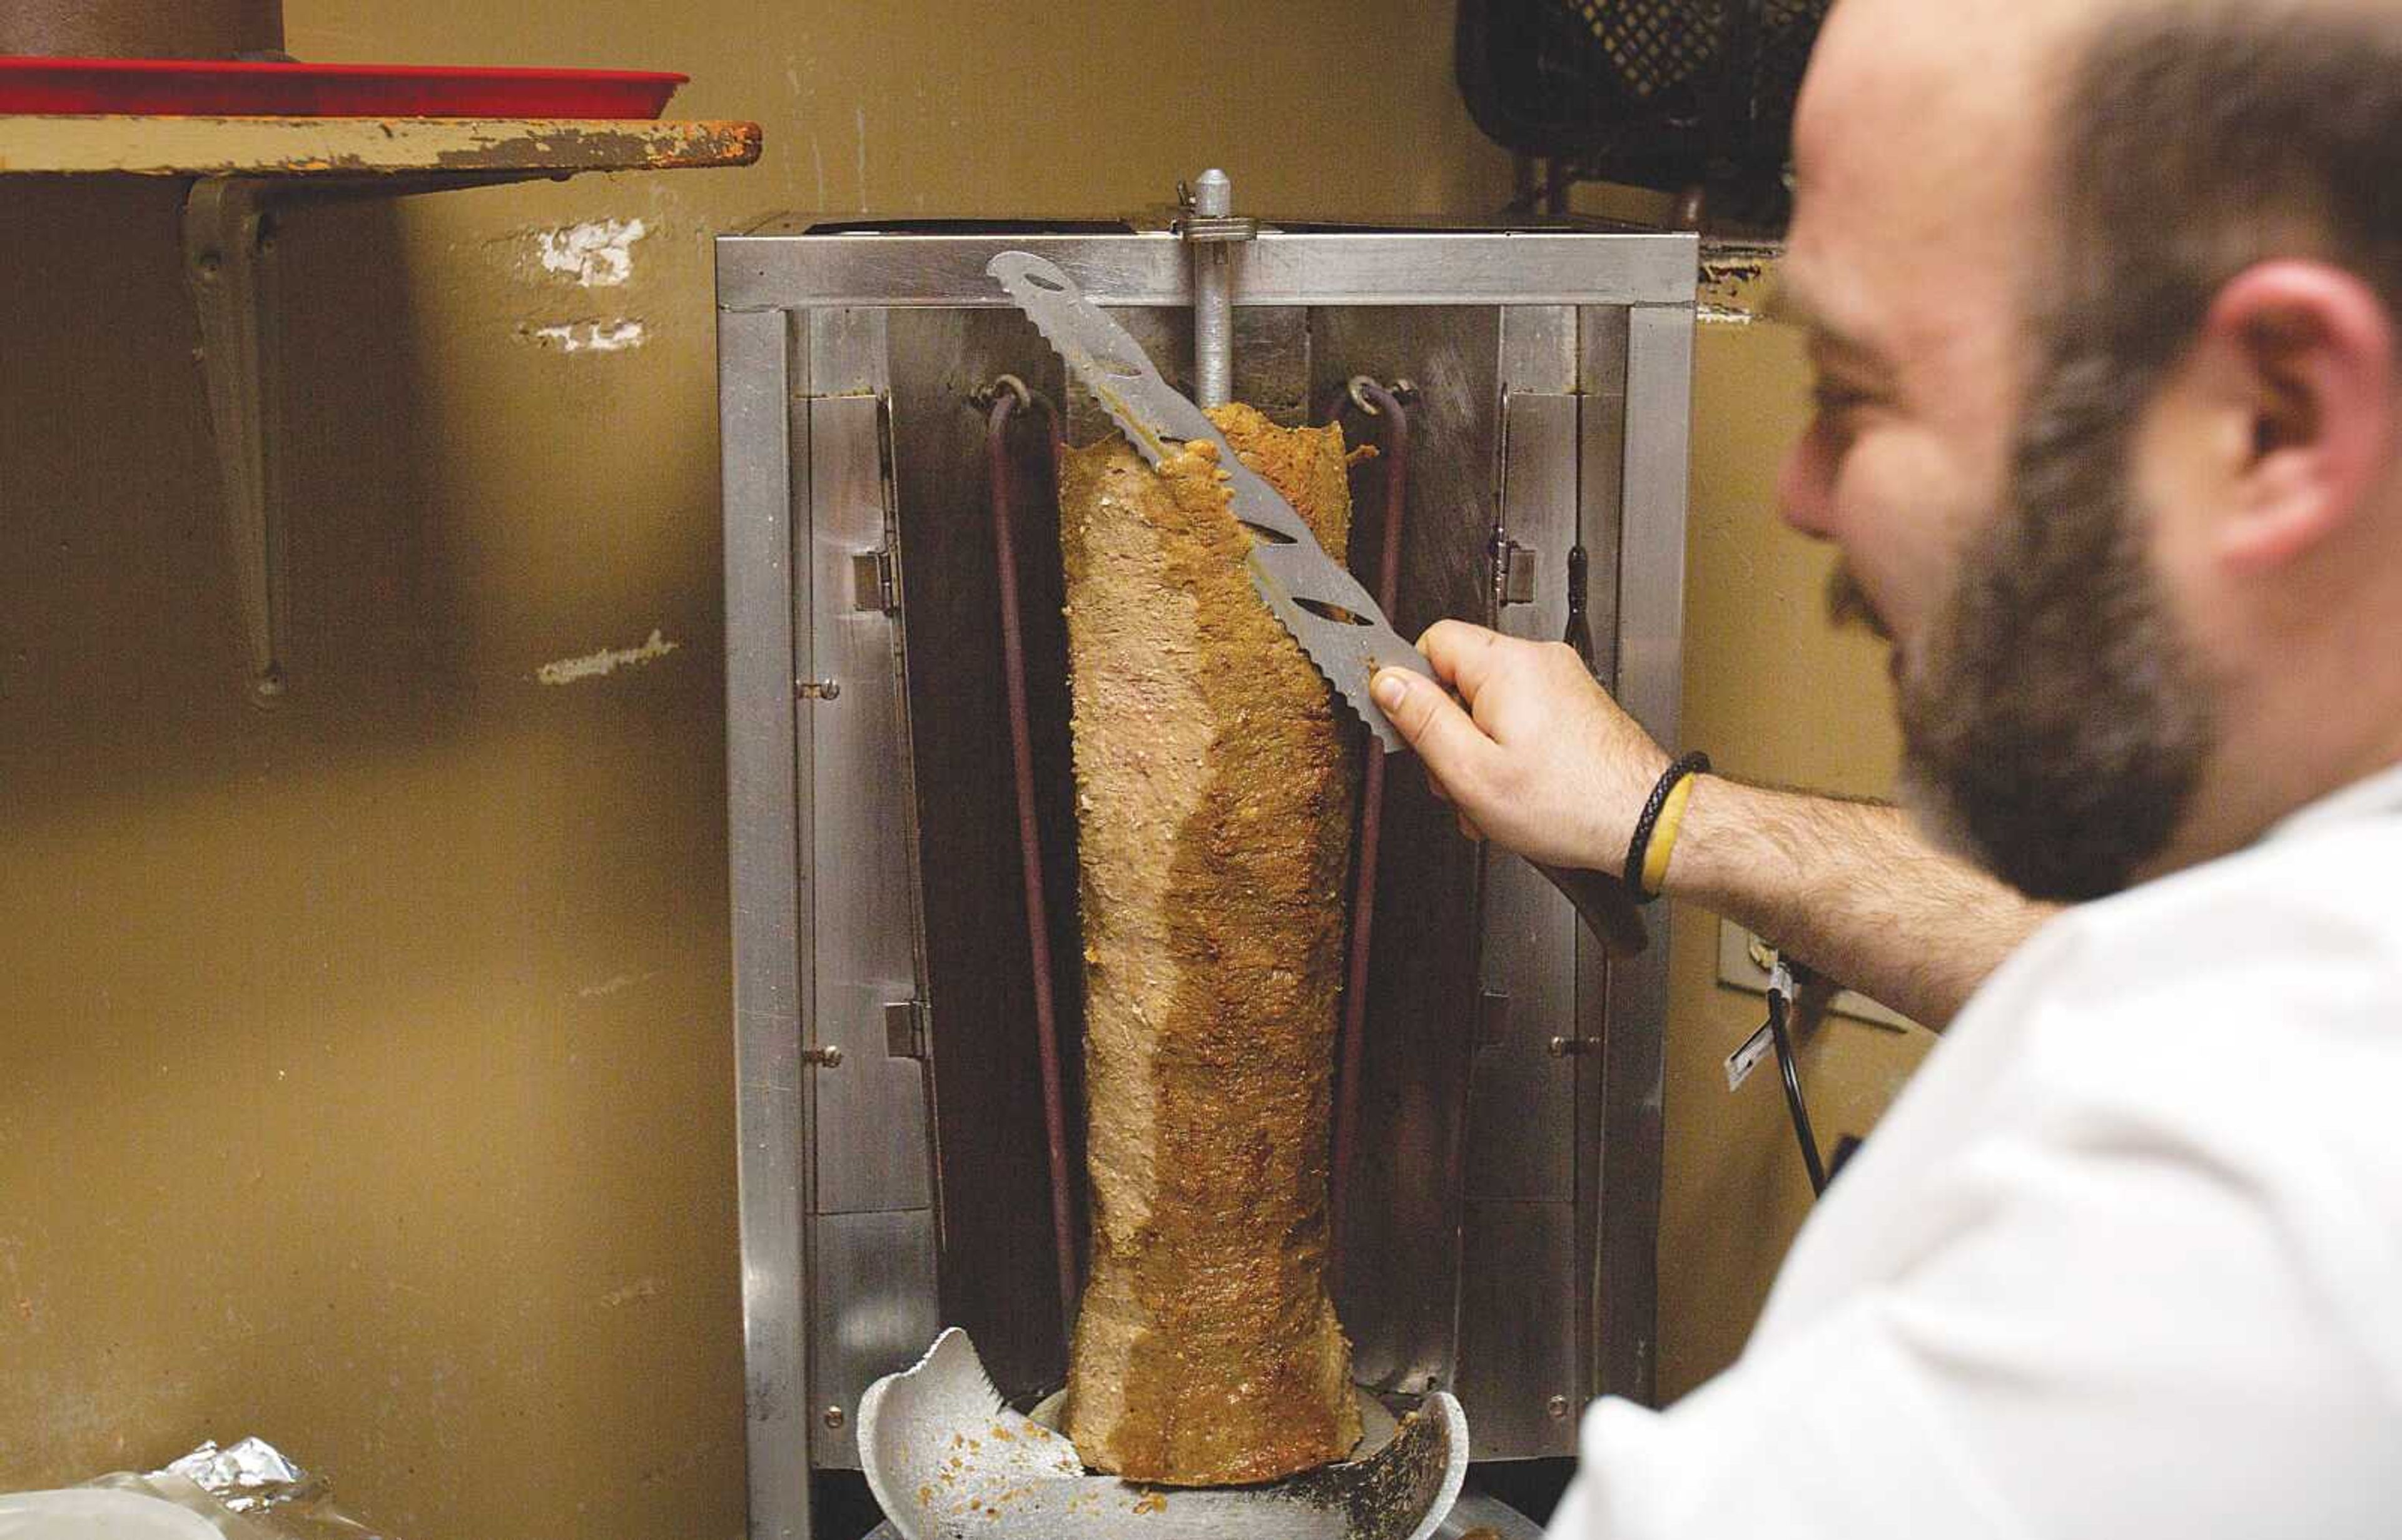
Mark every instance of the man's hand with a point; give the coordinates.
(1544, 761)
(1541, 760)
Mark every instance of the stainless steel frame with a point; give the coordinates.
(1501, 1241)
(783, 267)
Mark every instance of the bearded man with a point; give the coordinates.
(2103, 298)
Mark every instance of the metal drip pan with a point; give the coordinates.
(948, 1460)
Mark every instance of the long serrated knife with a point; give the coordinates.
(1324, 607)
(1334, 618)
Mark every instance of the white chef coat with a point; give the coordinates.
(2124, 1261)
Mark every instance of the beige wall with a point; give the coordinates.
(370, 1079)
(1775, 695)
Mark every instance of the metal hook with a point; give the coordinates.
(984, 395)
(1401, 391)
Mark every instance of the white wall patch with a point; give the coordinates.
(606, 661)
(613, 985)
(588, 336)
(597, 253)
(634, 1293)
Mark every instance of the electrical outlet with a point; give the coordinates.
(1744, 961)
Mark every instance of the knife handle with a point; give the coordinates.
(1602, 903)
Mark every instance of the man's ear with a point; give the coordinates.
(2306, 349)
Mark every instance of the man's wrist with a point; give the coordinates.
(1707, 855)
(1644, 872)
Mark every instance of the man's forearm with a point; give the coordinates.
(1851, 889)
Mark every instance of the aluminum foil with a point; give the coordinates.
(250, 1491)
(251, 1476)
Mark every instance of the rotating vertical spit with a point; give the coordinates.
(1211, 230)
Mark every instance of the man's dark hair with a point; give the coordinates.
(2195, 139)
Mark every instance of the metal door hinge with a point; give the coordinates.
(907, 1028)
(876, 581)
(1514, 573)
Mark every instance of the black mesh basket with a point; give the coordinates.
(1671, 94)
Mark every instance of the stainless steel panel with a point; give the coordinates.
(848, 351)
(1539, 349)
(1522, 1101)
(1523, 268)
(873, 1146)
(1651, 581)
(873, 1320)
(1397, 1291)
(997, 1263)
(1652, 632)
(1513, 1362)
(1601, 471)
(770, 910)
(1271, 348)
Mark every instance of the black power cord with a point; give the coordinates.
(1785, 981)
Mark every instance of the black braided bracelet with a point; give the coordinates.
(1694, 763)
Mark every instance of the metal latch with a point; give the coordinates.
(1514, 573)
(1492, 1018)
(876, 581)
(906, 1028)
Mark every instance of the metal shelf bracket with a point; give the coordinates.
(229, 262)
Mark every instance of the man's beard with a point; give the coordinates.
(2056, 721)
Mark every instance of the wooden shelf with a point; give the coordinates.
(465, 150)
(241, 174)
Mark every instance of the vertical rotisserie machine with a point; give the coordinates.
(1496, 1230)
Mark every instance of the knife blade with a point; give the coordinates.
(1333, 618)
(1327, 611)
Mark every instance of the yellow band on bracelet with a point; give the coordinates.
(1664, 833)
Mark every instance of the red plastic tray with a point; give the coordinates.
(175, 87)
